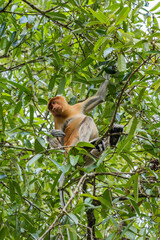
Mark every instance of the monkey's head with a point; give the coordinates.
(58, 106)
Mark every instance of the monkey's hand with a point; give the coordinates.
(57, 133)
(53, 142)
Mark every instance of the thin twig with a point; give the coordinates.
(16, 147)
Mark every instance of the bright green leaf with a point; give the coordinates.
(122, 15)
(121, 63)
(100, 16)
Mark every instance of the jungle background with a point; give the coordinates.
(64, 47)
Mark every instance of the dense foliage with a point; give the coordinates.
(64, 47)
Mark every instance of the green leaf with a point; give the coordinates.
(18, 107)
(73, 218)
(2, 233)
(128, 160)
(2, 117)
(17, 188)
(107, 52)
(73, 159)
(126, 144)
(103, 201)
(11, 122)
(156, 84)
(29, 72)
(42, 101)
(144, 234)
(13, 36)
(155, 7)
(86, 62)
(140, 96)
(75, 3)
(34, 159)
(57, 16)
(122, 15)
(61, 86)
(31, 114)
(135, 206)
(126, 228)
(2, 28)
(85, 144)
(107, 197)
(12, 191)
(96, 80)
(111, 236)
(102, 158)
(136, 187)
(58, 165)
(99, 43)
(52, 82)
(27, 219)
(92, 23)
(7, 97)
(121, 63)
(99, 15)
(17, 85)
(38, 147)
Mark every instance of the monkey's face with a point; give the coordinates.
(57, 105)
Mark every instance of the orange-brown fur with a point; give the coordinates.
(62, 111)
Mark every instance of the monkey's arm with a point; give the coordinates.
(99, 97)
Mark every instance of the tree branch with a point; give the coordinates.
(16, 147)
(44, 14)
(3, 9)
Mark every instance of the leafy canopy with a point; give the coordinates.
(63, 47)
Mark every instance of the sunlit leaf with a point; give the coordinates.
(58, 165)
(61, 86)
(155, 7)
(100, 16)
(122, 15)
(34, 159)
(121, 63)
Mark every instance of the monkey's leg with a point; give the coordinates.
(87, 130)
(111, 141)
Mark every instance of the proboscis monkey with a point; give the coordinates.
(72, 125)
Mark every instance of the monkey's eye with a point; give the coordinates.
(53, 102)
